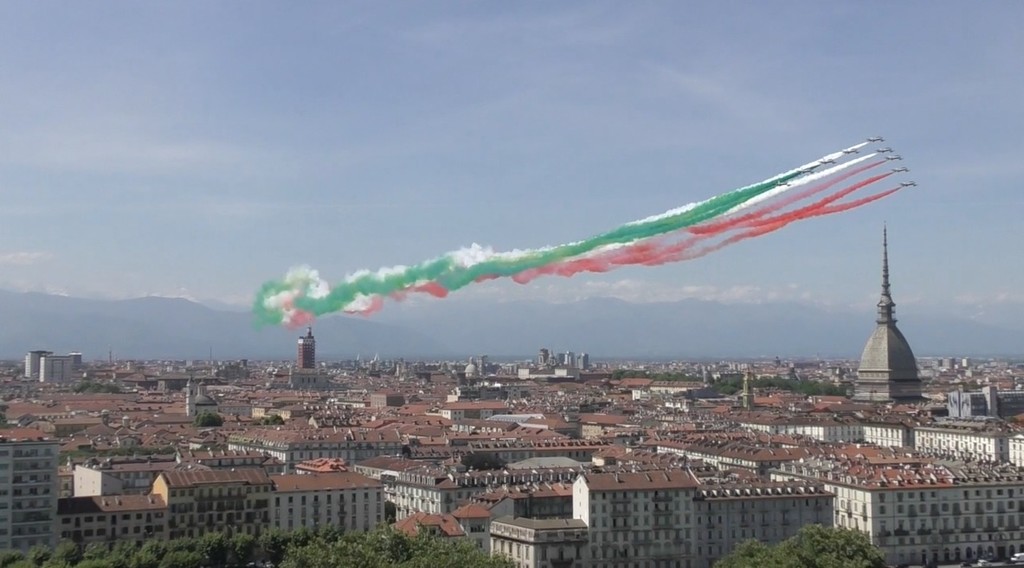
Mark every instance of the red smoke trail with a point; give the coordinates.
(662, 250)
(655, 253)
(779, 222)
(376, 305)
(719, 226)
(649, 253)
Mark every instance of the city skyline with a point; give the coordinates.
(197, 151)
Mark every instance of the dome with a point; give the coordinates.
(471, 370)
(888, 351)
(204, 400)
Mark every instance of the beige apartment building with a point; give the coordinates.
(918, 511)
(202, 501)
(541, 543)
(112, 519)
(348, 500)
(673, 519)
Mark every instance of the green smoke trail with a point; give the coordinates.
(449, 273)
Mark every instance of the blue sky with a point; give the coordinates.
(202, 148)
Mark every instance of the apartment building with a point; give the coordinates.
(675, 519)
(974, 440)
(511, 451)
(348, 500)
(756, 457)
(821, 429)
(108, 520)
(294, 446)
(727, 514)
(889, 433)
(638, 519)
(537, 543)
(29, 489)
(1015, 449)
(919, 510)
(236, 501)
(436, 490)
(125, 476)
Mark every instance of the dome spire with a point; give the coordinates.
(885, 303)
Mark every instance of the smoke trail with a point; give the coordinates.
(302, 294)
(664, 250)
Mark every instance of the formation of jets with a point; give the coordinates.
(876, 139)
(883, 150)
(826, 161)
(851, 151)
(908, 183)
(898, 170)
(894, 157)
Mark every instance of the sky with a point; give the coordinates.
(198, 149)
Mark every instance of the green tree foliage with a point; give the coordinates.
(94, 387)
(209, 420)
(10, 557)
(243, 546)
(274, 543)
(619, 374)
(214, 547)
(481, 462)
(269, 420)
(814, 546)
(67, 553)
(38, 555)
(386, 548)
(327, 547)
(733, 385)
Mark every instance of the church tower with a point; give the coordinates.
(888, 368)
(306, 358)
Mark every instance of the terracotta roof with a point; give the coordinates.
(643, 481)
(108, 504)
(247, 476)
(446, 525)
(323, 481)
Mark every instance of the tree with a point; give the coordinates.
(270, 420)
(66, 553)
(814, 546)
(214, 547)
(38, 555)
(242, 548)
(9, 557)
(274, 543)
(209, 420)
(482, 461)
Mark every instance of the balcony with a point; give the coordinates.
(924, 531)
(901, 532)
(661, 498)
(947, 531)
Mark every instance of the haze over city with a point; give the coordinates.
(198, 149)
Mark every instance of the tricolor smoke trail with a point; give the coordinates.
(683, 233)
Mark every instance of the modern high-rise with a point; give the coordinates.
(888, 368)
(28, 489)
(307, 351)
(32, 361)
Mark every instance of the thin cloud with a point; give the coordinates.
(24, 258)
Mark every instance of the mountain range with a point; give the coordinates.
(175, 328)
